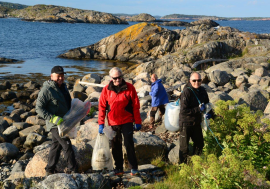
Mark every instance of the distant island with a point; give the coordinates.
(197, 17)
(7, 8)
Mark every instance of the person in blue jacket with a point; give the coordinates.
(159, 99)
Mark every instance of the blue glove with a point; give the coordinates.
(202, 107)
(137, 127)
(101, 127)
(208, 115)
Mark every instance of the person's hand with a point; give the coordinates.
(208, 116)
(101, 127)
(57, 120)
(202, 107)
(137, 127)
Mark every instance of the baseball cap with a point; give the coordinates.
(58, 70)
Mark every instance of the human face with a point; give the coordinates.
(116, 78)
(58, 78)
(195, 81)
(153, 79)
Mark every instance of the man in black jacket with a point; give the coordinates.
(193, 100)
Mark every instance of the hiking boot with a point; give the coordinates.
(134, 172)
(116, 172)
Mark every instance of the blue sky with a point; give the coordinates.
(225, 8)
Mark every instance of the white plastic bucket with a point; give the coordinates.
(171, 120)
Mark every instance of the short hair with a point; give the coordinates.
(115, 69)
(193, 74)
(154, 75)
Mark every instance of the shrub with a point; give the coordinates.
(241, 130)
(227, 171)
(92, 111)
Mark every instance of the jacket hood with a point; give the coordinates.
(50, 83)
(157, 81)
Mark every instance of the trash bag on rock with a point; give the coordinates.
(171, 119)
(76, 113)
(102, 157)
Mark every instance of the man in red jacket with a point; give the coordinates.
(121, 102)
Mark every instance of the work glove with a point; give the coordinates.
(137, 127)
(57, 120)
(202, 107)
(101, 127)
(208, 116)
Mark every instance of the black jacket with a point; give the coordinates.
(190, 114)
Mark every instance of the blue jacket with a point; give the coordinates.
(158, 93)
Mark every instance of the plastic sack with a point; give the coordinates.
(102, 157)
(171, 120)
(109, 132)
(72, 134)
(76, 113)
(205, 121)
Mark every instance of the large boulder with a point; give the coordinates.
(35, 120)
(8, 150)
(219, 77)
(8, 95)
(75, 181)
(33, 129)
(134, 43)
(148, 147)
(3, 125)
(83, 156)
(91, 78)
(87, 132)
(255, 98)
(225, 66)
(33, 139)
(11, 132)
(208, 22)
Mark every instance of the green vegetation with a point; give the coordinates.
(12, 5)
(244, 162)
(7, 8)
(92, 111)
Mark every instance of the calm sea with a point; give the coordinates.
(38, 44)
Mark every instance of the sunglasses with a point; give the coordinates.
(115, 78)
(198, 80)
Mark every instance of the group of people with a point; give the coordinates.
(120, 103)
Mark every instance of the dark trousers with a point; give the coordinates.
(59, 144)
(153, 113)
(117, 152)
(195, 133)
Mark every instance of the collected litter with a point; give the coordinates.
(102, 157)
(76, 113)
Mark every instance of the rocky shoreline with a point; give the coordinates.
(234, 66)
(51, 13)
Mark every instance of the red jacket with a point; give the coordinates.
(122, 106)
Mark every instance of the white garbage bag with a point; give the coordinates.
(205, 121)
(102, 157)
(109, 132)
(171, 119)
(76, 113)
(72, 134)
